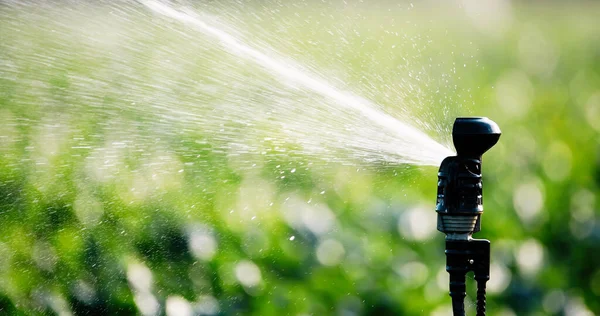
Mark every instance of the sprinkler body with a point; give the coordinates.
(460, 206)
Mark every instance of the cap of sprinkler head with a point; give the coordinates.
(459, 199)
(473, 136)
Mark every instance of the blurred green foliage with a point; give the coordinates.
(106, 208)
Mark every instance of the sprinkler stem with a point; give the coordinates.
(462, 257)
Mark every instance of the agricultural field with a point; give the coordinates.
(148, 168)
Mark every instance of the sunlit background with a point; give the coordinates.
(148, 168)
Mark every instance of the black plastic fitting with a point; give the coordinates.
(462, 257)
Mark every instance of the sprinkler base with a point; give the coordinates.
(463, 256)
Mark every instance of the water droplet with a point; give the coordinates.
(293, 237)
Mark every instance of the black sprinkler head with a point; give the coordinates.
(460, 194)
(460, 206)
(473, 136)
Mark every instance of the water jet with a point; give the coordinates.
(384, 137)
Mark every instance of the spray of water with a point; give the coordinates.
(391, 139)
(106, 81)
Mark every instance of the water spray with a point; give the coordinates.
(460, 206)
(401, 136)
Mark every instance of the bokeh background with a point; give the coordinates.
(114, 201)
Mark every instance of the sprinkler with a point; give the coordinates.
(460, 206)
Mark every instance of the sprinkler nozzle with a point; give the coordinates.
(473, 136)
(459, 198)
